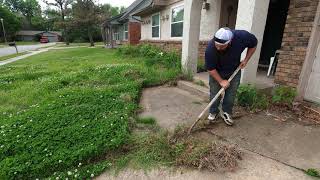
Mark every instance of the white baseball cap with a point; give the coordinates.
(223, 36)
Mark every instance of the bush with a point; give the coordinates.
(313, 172)
(153, 54)
(248, 96)
(284, 95)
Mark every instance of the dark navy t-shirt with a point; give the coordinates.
(227, 62)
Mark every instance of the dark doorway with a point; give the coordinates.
(228, 15)
(276, 20)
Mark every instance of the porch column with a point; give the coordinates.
(191, 32)
(252, 16)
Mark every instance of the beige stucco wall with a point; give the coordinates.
(209, 22)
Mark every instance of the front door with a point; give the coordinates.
(313, 88)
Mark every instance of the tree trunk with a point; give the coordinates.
(65, 36)
(90, 37)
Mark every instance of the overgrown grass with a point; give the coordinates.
(69, 107)
(248, 96)
(2, 58)
(146, 120)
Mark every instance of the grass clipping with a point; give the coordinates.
(212, 156)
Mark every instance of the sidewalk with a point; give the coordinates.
(273, 149)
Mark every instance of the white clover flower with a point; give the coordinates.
(2, 146)
(79, 164)
(76, 170)
(92, 175)
(76, 175)
(161, 53)
(60, 161)
(69, 173)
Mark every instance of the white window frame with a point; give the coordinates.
(176, 38)
(116, 36)
(124, 31)
(156, 26)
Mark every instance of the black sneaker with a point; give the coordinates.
(227, 118)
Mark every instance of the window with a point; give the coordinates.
(177, 21)
(125, 31)
(116, 36)
(155, 25)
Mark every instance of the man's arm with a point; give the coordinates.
(223, 83)
(251, 43)
(249, 54)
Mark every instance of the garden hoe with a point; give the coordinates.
(213, 100)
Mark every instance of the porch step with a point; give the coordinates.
(201, 91)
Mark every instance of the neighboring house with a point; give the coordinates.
(288, 27)
(123, 28)
(53, 36)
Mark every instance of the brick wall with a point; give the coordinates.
(177, 46)
(134, 30)
(295, 41)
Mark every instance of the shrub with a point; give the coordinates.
(284, 95)
(248, 96)
(153, 55)
(313, 172)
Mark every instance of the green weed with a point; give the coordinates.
(284, 95)
(248, 96)
(146, 120)
(313, 172)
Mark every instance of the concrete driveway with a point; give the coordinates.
(21, 48)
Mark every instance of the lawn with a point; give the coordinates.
(20, 43)
(65, 109)
(63, 44)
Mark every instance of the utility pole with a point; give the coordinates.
(4, 32)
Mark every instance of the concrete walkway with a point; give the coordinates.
(22, 48)
(11, 60)
(273, 149)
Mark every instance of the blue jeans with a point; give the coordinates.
(229, 97)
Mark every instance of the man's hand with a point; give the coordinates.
(243, 64)
(224, 83)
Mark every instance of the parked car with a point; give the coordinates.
(44, 39)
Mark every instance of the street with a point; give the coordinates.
(21, 48)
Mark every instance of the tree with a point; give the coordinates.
(30, 9)
(13, 5)
(11, 22)
(64, 10)
(110, 11)
(86, 15)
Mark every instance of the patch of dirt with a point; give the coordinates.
(301, 112)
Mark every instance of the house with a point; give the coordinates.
(27, 35)
(123, 28)
(289, 29)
